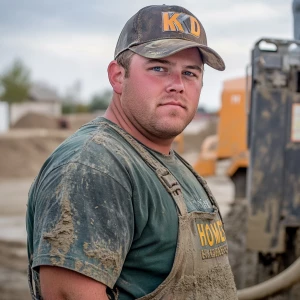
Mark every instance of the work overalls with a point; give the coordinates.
(199, 272)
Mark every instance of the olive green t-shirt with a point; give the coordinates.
(97, 208)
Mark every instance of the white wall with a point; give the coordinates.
(4, 117)
(18, 110)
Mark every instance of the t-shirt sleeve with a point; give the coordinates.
(83, 222)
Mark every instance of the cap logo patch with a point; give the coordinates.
(180, 22)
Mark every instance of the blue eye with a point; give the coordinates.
(189, 73)
(158, 69)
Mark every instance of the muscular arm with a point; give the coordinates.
(63, 284)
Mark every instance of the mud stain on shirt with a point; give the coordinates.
(99, 139)
(62, 236)
(110, 261)
(78, 265)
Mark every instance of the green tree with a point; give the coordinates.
(82, 108)
(100, 101)
(15, 82)
(68, 108)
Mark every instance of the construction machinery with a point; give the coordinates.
(273, 176)
(259, 130)
(273, 179)
(231, 139)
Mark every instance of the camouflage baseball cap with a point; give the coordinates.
(158, 31)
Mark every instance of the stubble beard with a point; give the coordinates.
(165, 130)
(151, 125)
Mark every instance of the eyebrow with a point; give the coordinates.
(195, 67)
(164, 61)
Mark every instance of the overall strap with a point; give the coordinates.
(166, 178)
(202, 182)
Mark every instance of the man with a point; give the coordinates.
(115, 213)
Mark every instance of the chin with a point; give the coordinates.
(168, 127)
(169, 132)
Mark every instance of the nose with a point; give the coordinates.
(175, 84)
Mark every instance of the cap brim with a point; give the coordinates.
(167, 47)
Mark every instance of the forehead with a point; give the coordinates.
(186, 56)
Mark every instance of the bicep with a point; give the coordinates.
(63, 284)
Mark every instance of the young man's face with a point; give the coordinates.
(160, 96)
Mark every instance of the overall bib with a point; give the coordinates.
(201, 269)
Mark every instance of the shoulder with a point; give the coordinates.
(96, 146)
(96, 156)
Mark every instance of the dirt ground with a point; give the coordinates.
(23, 150)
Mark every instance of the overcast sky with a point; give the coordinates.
(64, 41)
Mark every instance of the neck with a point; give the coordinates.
(115, 114)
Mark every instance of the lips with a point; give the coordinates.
(173, 103)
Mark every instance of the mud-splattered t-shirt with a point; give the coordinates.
(98, 209)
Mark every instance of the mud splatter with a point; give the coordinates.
(266, 114)
(78, 265)
(257, 178)
(210, 285)
(96, 273)
(194, 278)
(265, 92)
(62, 236)
(99, 139)
(110, 261)
(263, 150)
(262, 228)
(88, 270)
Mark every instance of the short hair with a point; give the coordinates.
(124, 60)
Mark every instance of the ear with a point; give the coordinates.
(116, 75)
